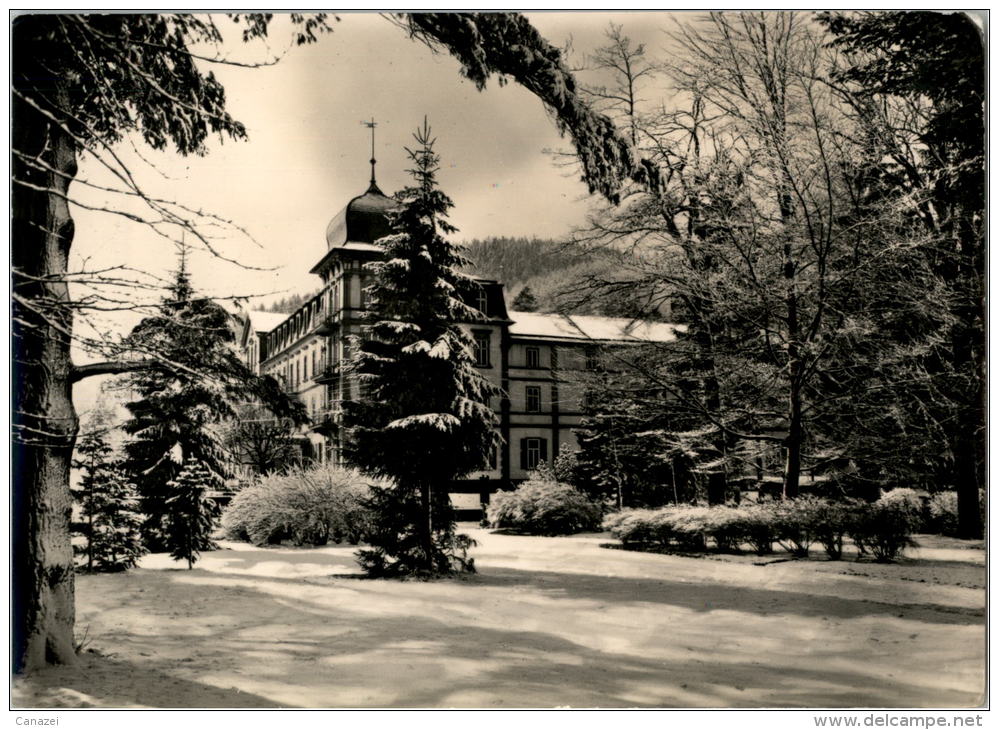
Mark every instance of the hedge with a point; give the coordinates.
(882, 529)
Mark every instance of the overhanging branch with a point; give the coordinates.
(109, 367)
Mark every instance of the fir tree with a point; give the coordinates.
(107, 508)
(116, 539)
(182, 400)
(93, 453)
(525, 301)
(422, 418)
(190, 513)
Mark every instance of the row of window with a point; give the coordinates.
(302, 321)
(532, 353)
(302, 368)
(482, 343)
(533, 451)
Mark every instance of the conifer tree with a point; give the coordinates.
(190, 512)
(423, 417)
(181, 402)
(525, 301)
(116, 540)
(108, 507)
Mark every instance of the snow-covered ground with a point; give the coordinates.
(546, 622)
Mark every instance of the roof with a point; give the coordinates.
(362, 221)
(265, 321)
(586, 327)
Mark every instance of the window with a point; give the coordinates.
(481, 349)
(533, 357)
(483, 300)
(533, 398)
(592, 359)
(533, 451)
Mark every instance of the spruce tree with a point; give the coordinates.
(116, 539)
(93, 453)
(525, 301)
(187, 396)
(422, 418)
(108, 508)
(182, 400)
(190, 513)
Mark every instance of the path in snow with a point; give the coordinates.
(547, 622)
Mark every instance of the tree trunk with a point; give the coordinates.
(44, 421)
(792, 444)
(966, 441)
(90, 543)
(705, 337)
(792, 464)
(427, 538)
(717, 487)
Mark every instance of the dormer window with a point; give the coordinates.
(483, 301)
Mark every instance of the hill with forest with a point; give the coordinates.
(559, 276)
(288, 304)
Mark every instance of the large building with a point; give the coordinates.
(534, 359)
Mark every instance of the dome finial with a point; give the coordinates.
(371, 125)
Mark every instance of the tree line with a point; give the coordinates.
(819, 232)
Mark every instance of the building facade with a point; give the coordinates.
(535, 360)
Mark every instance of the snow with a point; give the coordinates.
(265, 321)
(546, 622)
(586, 327)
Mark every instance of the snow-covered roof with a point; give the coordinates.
(265, 321)
(586, 327)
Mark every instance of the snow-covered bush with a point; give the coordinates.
(727, 526)
(831, 522)
(883, 529)
(638, 526)
(943, 513)
(308, 506)
(544, 508)
(795, 522)
(690, 526)
(755, 523)
(910, 500)
(685, 527)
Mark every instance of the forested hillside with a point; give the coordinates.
(288, 304)
(515, 260)
(560, 276)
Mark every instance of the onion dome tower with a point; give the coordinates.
(351, 234)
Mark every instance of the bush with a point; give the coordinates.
(638, 526)
(684, 527)
(308, 506)
(544, 508)
(884, 529)
(755, 524)
(832, 521)
(943, 513)
(795, 522)
(912, 501)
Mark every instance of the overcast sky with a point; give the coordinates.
(307, 152)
